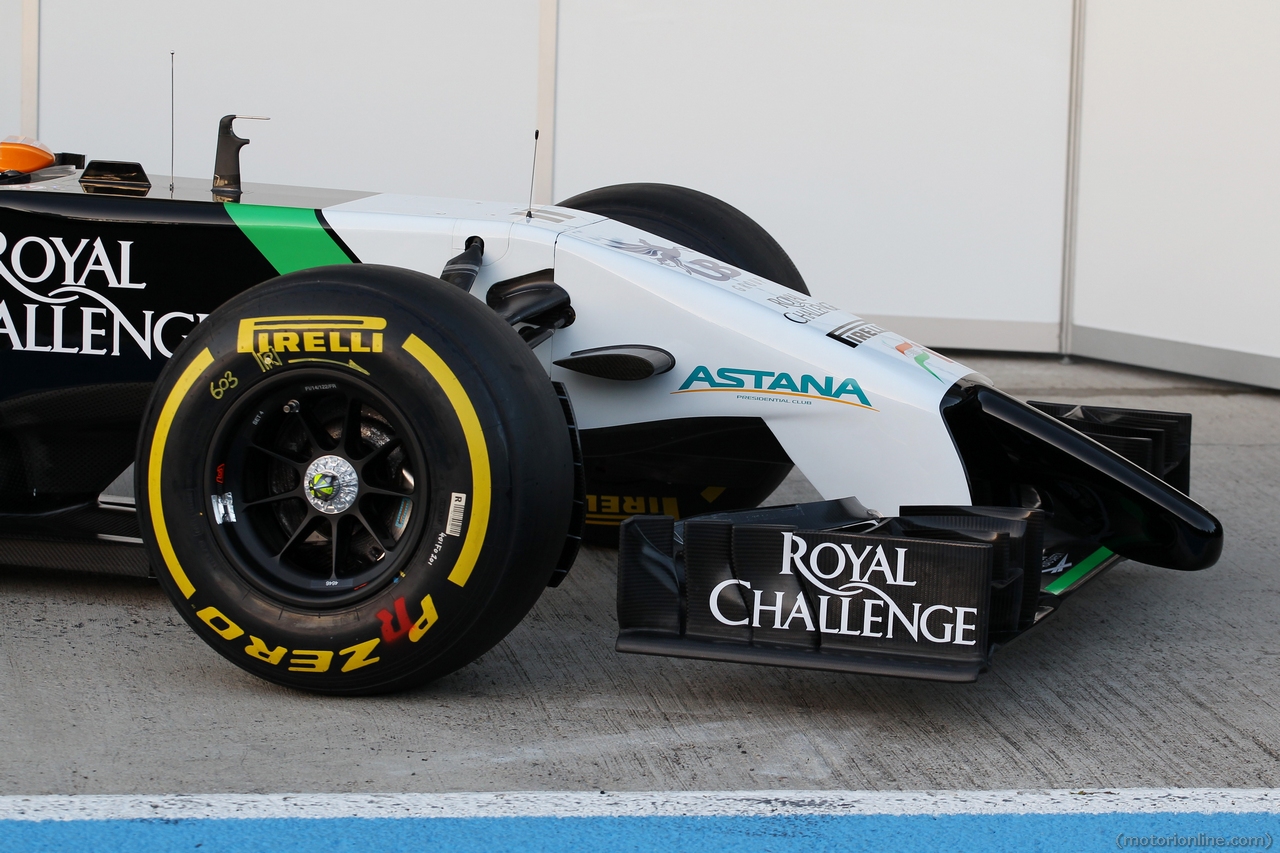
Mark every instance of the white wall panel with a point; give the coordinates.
(1179, 207)
(909, 154)
(10, 67)
(422, 96)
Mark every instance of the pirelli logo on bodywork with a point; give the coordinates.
(311, 333)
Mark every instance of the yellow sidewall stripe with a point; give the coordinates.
(477, 449)
(156, 464)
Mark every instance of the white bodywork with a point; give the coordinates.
(744, 346)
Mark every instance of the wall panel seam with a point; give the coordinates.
(30, 118)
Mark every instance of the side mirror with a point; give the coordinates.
(226, 164)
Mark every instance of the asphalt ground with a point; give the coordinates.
(1146, 678)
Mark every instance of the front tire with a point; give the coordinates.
(354, 479)
(654, 476)
(696, 221)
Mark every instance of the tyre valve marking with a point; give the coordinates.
(223, 508)
(267, 360)
(457, 506)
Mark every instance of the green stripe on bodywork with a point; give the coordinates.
(1077, 572)
(290, 238)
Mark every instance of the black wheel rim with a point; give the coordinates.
(317, 490)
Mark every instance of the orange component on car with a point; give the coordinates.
(24, 154)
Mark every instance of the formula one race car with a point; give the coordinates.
(364, 432)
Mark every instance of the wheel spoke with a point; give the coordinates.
(280, 457)
(339, 540)
(384, 543)
(351, 429)
(269, 499)
(366, 489)
(380, 451)
(302, 531)
(313, 432)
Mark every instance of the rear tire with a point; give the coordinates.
(354, 479)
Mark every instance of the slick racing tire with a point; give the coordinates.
(354, 479)
(707, 225)
(696, 221)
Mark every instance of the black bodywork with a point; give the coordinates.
(70, 405)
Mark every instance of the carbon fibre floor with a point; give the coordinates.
(1146, 678)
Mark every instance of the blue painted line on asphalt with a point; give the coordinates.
(1043, 833)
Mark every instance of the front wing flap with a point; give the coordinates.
(929, 594)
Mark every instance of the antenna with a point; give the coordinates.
(171, 124)
(528, 214)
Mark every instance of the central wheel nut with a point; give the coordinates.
(331, 484)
